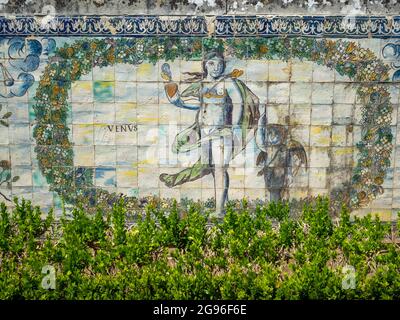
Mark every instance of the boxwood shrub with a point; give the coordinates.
(179, 253)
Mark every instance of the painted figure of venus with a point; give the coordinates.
(224, 103)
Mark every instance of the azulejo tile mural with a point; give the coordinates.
(97, 109)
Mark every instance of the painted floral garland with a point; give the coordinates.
(75, 184)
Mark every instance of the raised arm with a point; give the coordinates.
(178, 99)
(172, 91)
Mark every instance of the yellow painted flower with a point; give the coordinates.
(70, 52)
(45, 163)
(197, 45)
(378, 180)
(362, 195)
(111, 57)
(367, 163)
(56, 90)
(75, 65)
(263, 49)
(65, 143)
(350, 47)
(56, 116)
(56, 104)
(45, 81)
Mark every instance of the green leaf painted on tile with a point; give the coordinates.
(7, 115)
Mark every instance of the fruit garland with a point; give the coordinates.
(70, 62)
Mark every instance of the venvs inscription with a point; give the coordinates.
(129, 127)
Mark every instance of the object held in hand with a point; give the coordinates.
(236, 73)
(171, 89)
(166, 72)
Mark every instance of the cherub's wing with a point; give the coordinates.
(297, 156)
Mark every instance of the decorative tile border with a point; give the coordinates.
(103, 26)
(54, 150)
(224, 26)
(314, 26)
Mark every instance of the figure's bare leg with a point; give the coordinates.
(221, 156)
(205, 151)
(220, 192)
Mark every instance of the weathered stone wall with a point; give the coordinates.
(210, 7)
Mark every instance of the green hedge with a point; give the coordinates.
(172, 253)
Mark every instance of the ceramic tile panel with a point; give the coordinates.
(263, 107)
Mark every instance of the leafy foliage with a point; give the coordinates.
(6, 178)
(4, 117)
(71, 61)
(175, 253)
